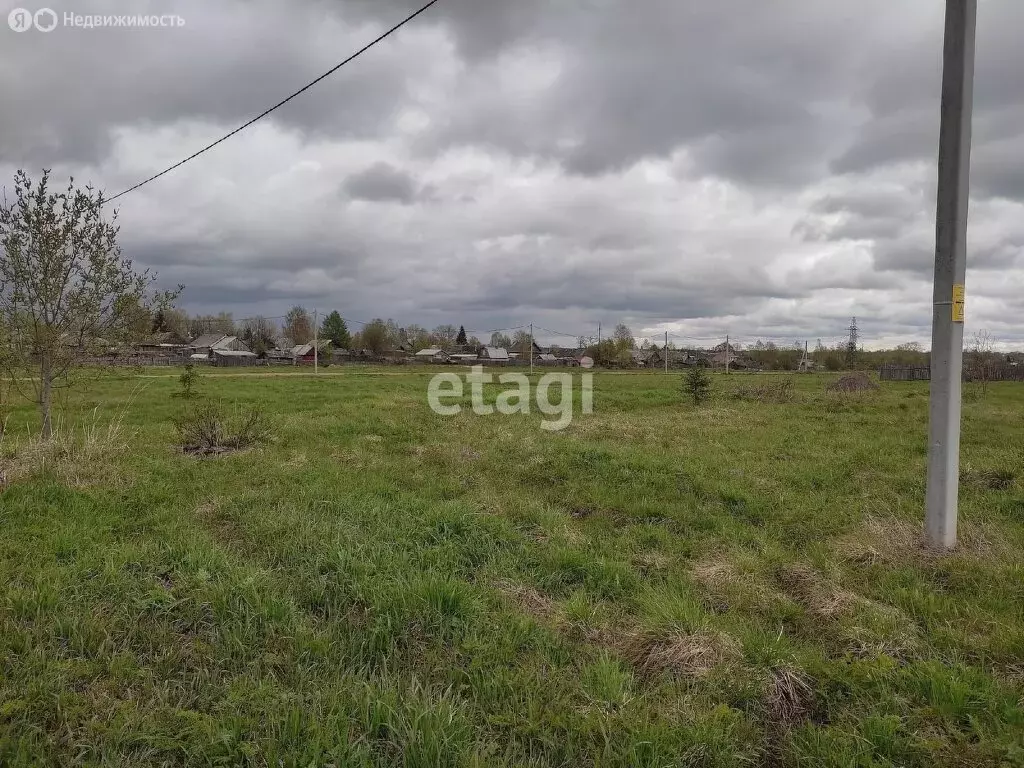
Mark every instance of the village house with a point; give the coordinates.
(494, 355)
(432, 355)
(219, 341)
(313, 352)
(728, 354)
(168, 344)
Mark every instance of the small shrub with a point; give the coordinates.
(697, 385)
(189, 379)
(208, 430)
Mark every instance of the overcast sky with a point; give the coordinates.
(765, 169)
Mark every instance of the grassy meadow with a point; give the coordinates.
(658, 584)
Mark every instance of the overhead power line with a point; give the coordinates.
(281, 103)
(560, 333)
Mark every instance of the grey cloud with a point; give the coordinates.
(734, 164)
(229, 62)
(381, 182)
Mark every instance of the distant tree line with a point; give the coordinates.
(616, 350)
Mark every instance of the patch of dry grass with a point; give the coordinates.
(852, 382)
(863, 627)
(814, 592)
(78, 455)
(788, 698)
(732, 587)
(685, 654)
(891, 541)
(529, 600)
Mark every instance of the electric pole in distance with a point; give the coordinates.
(950, 270)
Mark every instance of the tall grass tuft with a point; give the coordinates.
(74, 453)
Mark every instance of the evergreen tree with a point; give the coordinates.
(335, 329)
(697, 384)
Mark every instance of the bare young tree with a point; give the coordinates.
(444, 336)
(65, 289)
(259, 334)
(981, 367)
(298, 326)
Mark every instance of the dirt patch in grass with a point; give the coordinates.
(581, 513)
(685, 654)
(852, 382)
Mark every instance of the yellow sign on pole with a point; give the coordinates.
(958, 303)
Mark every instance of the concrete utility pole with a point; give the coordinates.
(666, 351)
(950, 270)
(316, 342)
(727, 353)
(531, 349)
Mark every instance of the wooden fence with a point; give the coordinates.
(1001, 372)
(904, 373)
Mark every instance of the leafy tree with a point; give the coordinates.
(335, 329)
(522, 344)
(697, 384)
(375, 336)
(159, 322)
(604, 353)
(259, 334)
(396, 334)
(219, 323)
(623, 337)
(418, 337)
(66, 291)
(500, 340)
(171, 321)
(460, 339)
(298, 326)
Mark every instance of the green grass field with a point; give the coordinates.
(656, 585)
